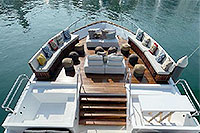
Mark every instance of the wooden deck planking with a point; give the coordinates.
(108, 83)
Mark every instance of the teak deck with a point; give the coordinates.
(108, 83)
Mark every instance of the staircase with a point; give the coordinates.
(102, 109)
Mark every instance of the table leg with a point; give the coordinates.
(161, 116)
(155, 116)
(169, 118)
(168, 115)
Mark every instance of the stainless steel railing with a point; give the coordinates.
(190, 95)
(7, 102)
(84, 20)
(79, 79)
(128, 78)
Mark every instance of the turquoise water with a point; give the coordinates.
(26, 24)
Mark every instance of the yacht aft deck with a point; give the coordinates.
(101, 102)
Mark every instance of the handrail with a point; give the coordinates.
(79, 77)
(77, 83)
(101, 10)
(81, 18)
(124, 17)
(188, 90)
(129, 77)
(75, 22)
(18, 81)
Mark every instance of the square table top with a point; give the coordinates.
(165, 103)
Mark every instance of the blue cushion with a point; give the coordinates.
(140, 35)
(160, 57)
(47, 51)
(67, 34)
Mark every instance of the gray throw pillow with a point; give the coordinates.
(110, 35)
(92, 32)
(67, 34)
(161, 57)
(167, 64)
(140, 35)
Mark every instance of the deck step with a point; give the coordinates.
(104, 107)
(103, 99)
(104, 104)
(104, 110)
(102, 122)
(103, 115)
(101, 95)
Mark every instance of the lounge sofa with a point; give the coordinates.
(101, 37)
(50, 68)
(159, 74)
(97, 64)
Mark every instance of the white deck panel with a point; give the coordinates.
(62, 78)
(165, 103)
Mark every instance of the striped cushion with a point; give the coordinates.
(53, 45)
(153, 48)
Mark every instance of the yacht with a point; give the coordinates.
(102, 78)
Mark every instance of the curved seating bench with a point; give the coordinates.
(50, 68)
(149, 59)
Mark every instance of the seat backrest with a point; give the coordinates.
(95, 60)
(114, 60)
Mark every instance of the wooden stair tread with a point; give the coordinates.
(103, 114)
(102, 107)
(108, 91)
(118, 84)
(105, 87)
(105, 111)
(105, 99)
(104, 104)
(102, 95)
(102, 122)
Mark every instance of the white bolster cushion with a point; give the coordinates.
(95, 57)
(109, 30)
(115, 58)
(94, 30)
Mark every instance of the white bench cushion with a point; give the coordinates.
(73, 38)
(157, 66)
(138, 43)
(49, 62)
